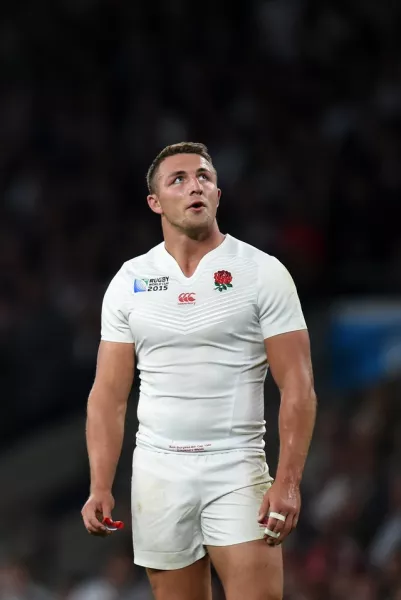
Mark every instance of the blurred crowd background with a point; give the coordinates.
(299, 103)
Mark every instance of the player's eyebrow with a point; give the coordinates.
(181, 172)
(176, 174)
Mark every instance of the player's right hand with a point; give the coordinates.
(98, 506)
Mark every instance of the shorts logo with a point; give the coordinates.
(157, 284)
(222, 280)
(187, 298)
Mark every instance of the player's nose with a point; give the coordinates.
(195, 186)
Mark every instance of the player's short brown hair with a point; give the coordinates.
(180, 148)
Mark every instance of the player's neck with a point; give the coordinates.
(188, 252)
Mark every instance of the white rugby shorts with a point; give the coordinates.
(182, 502)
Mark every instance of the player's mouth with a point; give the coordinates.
(196, 206)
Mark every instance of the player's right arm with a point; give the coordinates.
(107, 401)
(107, 406)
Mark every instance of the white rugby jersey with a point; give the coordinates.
(199, 343)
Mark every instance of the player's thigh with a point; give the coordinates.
(165, 512)
(247, 566)
(190, 583)
(252, 570)
(233, 517)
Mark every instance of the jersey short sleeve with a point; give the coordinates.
(115, 325)
(278, 302)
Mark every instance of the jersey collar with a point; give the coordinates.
(168, 262)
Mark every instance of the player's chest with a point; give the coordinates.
(218, 303)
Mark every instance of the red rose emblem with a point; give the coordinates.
(222, 280)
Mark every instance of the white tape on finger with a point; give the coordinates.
(277, 516)
(271, 533)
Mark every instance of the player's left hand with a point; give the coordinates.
(284, 499)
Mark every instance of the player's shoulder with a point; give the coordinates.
(271, 274)
(137, 265)
(261, 260)
(132, 269)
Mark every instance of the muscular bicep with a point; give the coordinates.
(115, 369)
(288, 355)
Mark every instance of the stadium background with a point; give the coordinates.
(299, 102)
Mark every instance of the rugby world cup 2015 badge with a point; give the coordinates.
(140, 285)
(152, 284)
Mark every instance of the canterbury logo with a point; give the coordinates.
(187, 298)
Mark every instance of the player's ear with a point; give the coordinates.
(218, 196)
(154, 204)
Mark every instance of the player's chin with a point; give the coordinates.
(196, 224)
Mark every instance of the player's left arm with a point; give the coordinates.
(290, 362)
(288, 353)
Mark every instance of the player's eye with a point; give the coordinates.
(204, 176)
(178, 179)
